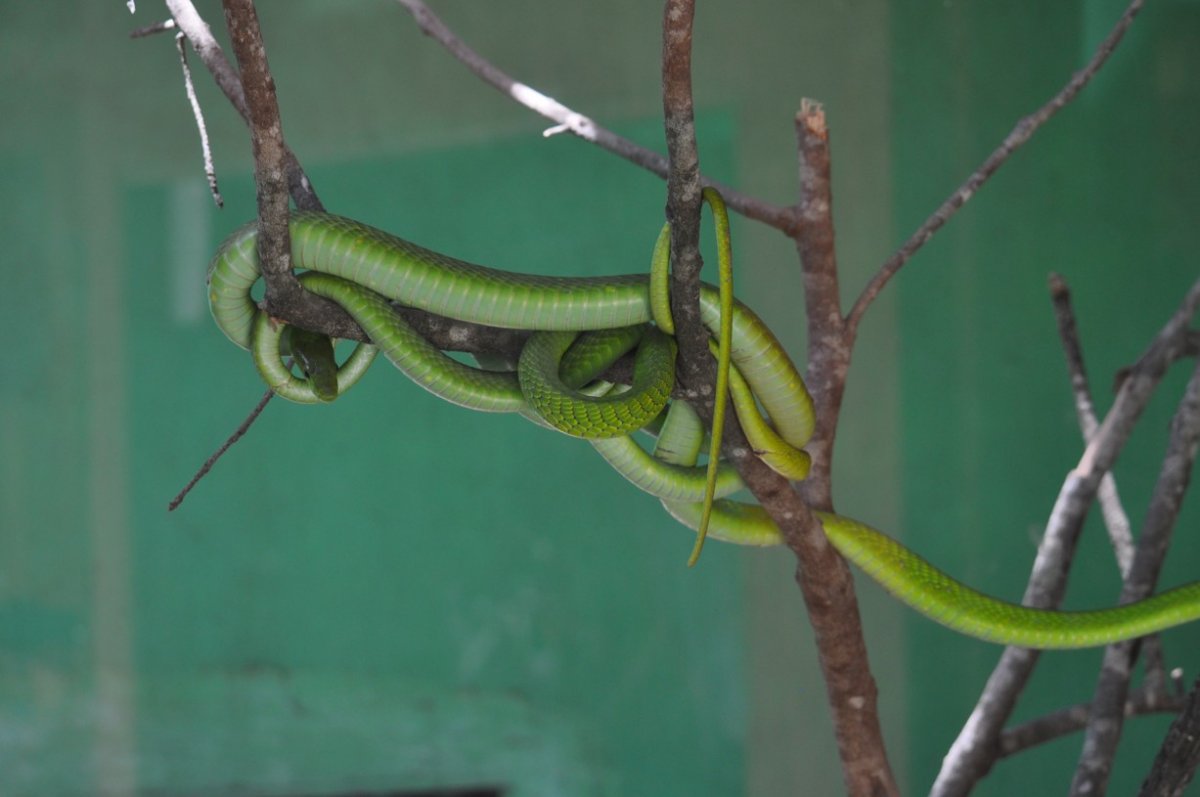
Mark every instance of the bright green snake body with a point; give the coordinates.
(362, 268)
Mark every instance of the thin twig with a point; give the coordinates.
(210, 52)
(972, 753)
(150, 30)
(1115, 519)
(568, 120)
(446, 334)
(1112, 685)
(1074, 718)
(1019, 135)
(209, 172)
(205, 44)
(212, 460)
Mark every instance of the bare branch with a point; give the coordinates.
(1020, 134)
(209, 172)
(971, 755)
(210, 52)
(824, 578)
(150, 30)
(273, 168)
(1179, 755)
(266, 135)
(200, 35)
(1074, 718)
(567, 120)
(445, 333)
(329, 318)
(1115, 519)
(1105, 724)
(244, 427)
(828, 347)
(695, 367)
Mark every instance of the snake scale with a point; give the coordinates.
(362, 269)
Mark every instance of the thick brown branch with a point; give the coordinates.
(284, 298)
(210, 52)
(266, 136)
(695, 366)
(828, 351)
(318, 314)
(1020, 134)
(263, 120)
(824, 578)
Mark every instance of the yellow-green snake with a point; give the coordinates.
(362, 268)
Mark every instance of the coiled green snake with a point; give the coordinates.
(362, 268)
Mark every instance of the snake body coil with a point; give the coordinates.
(362, 268)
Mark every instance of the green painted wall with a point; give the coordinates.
(510, 623)
(389, 592)
(359, 597)
(1105, 197)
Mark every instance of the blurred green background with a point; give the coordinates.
(391, 593)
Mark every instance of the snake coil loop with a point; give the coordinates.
(362, 268)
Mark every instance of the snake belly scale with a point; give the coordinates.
(363, 269)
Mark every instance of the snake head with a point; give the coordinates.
(313, 352)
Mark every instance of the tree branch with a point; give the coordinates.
(243, 427)
(824, 577)
(567, 120)
(695, 367)
(1074, 718)
(828, 347)
(277, 171)
(213, 57)
(1020, 134)
(444, 333)
(1107, 714)
(1115, 519)
(1179, 755)
(972, 754)
(283, 291)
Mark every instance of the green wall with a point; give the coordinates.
(391, 592)
(1105, 197)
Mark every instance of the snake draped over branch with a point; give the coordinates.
(580, 326)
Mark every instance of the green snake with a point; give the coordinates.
(571, 319)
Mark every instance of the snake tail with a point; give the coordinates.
(932, 593)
